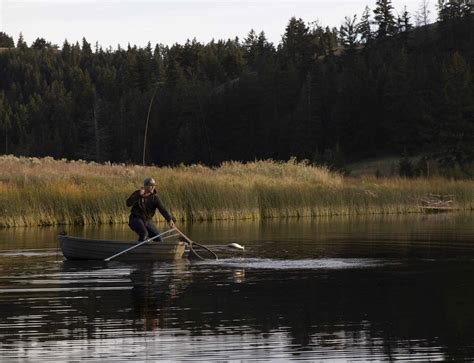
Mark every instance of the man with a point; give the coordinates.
(144, 203)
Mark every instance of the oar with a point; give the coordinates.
(191, 243)
(139, 244)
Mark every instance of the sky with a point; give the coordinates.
(113, 22)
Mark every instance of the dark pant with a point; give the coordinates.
(144, 229)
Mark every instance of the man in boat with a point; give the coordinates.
(144, 203)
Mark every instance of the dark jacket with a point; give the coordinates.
(145, 207)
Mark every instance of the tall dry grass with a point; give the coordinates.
(45, 191)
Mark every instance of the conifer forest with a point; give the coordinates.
(384, 83)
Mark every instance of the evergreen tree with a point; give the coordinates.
(348, 33)
(331, 39)
(233, 61)
(384, 18)
(404, 23)
(257, 50)
(244, 100)
(6, 41)
(363, 28)
(455, 141)
(453, 9)
(95, 135)
(405, 167)
(40, 43)
(296, 46)
(5, 122)
(21, 44)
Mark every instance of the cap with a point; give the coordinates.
(149, 181)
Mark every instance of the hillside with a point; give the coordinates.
(322, 94)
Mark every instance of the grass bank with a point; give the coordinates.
(45, 191)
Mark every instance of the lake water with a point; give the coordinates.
(359, 288)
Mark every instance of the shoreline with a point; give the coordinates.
(161, 223)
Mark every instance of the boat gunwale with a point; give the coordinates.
(79, 248)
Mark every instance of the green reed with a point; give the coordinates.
(49, 192)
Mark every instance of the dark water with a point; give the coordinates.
(380, 288)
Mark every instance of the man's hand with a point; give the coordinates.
(171, 224)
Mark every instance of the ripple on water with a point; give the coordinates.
(306, 264)
(29, 253)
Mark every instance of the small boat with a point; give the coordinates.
(76, 248)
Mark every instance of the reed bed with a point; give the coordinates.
(44, 191)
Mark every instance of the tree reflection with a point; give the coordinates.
(383, 312)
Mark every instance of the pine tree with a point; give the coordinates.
(86, 47)
(331, 39)
(363, 28)
(233, 61)
(259, 52)
(384, 18)
(405, 166)
(40, 43)
(21, 44)
(455, 139)
(157, 66)
(404, 23)
(296, 46)
(453, 9)
(250, 41)
(94, 135)
(348, 33)
(250, 46)
(6, 41)
(241, 100)
(5, 121)
(66, 52)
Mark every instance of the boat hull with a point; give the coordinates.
(76, 248)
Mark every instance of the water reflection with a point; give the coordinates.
(153, 294)
(351, 289)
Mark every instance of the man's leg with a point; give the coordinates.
(137, 225)
(152, 230)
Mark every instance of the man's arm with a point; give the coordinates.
(169, 218)
(133, 198)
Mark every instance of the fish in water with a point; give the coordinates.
(235, 246)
